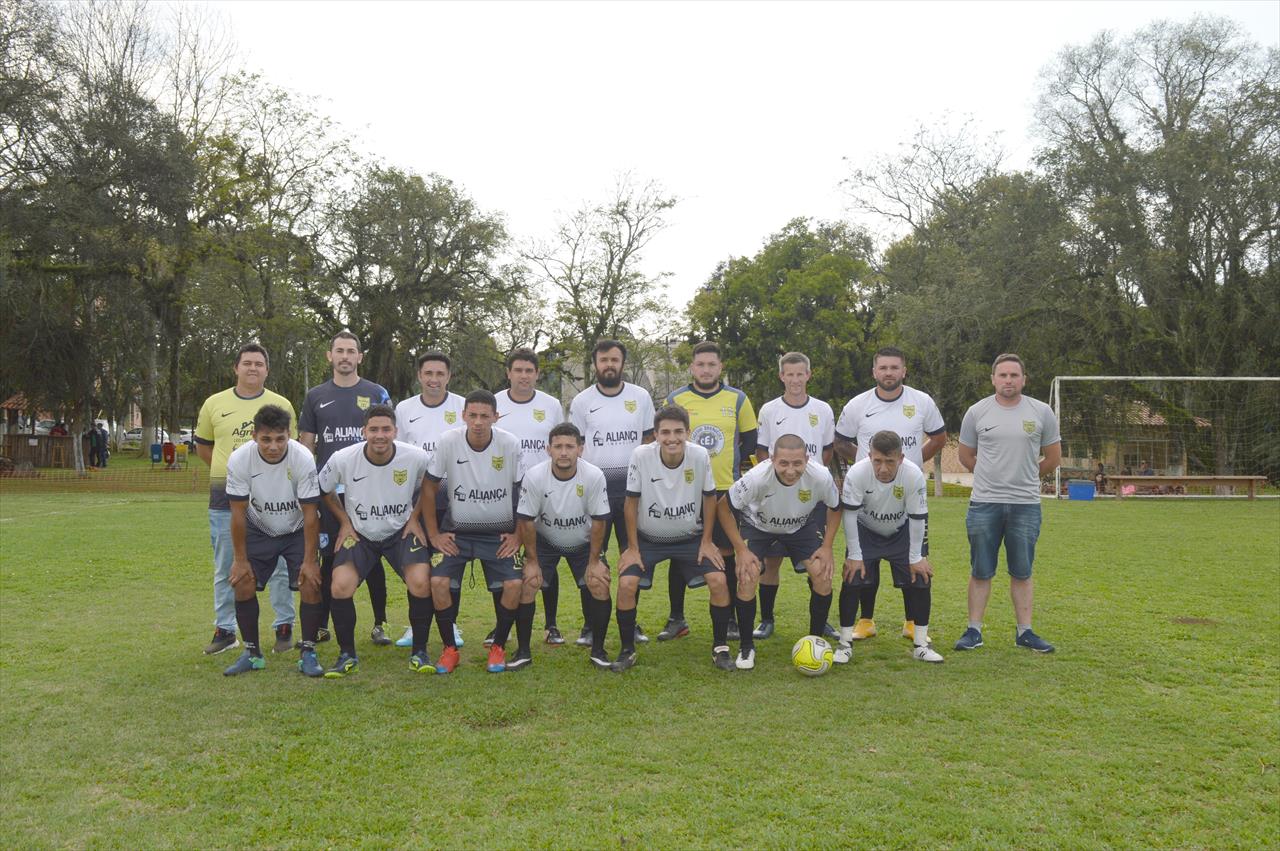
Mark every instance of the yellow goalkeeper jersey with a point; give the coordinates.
(718, 419)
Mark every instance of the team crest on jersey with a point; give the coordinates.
(688, 475)
(498, 461)
(451, 417)
(813, 420)
(288, 474)
(539, 415)
(804, 495)
(362, 402)
(897, 491)
(1029, 426)
(908, 411)
(630, 405)
(579, 489)
(399, 476)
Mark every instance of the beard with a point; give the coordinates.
(608, 379)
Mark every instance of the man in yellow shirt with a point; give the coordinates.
(224, 424)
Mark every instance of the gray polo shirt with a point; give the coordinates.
(1009, 443)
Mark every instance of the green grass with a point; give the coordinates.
(1141, 731)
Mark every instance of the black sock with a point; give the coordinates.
(453, 607)
(524, 626)
(768, 594)
(376, 582)
(421, 611)
(675, 592)
(497, 604)
(551, 595)
(627, 629)
(598, 621)
(746, 611)
(312, 616)
(731, 577)
(867, 599)
(506, 617)
(326, 590)
(247, 620)
(720, 625)
(588, 606)
(444, 622)
(819, 609)
(848, 605)
(906, 603)
(344, 623)
(919, 602)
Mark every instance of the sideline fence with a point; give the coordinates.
(159, 480)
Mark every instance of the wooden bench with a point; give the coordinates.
(1119, 481)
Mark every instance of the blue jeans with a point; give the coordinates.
(224, 597)
(989, 523)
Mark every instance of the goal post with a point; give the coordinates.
(1171, 425)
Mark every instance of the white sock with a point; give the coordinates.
(846, 635)
(922, 635)
(976, 626)
(1023, 627)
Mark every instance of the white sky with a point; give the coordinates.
(746, 111)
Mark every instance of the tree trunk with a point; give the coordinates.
(150, 395)
(937, 472)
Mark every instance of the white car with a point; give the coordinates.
(134, 436)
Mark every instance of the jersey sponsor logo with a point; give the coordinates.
(688, 475)
(564, 522)
(804, 495)
(498, 461)
(673, 512)
(897, 491)
(1029, 426)
(391, 509)
(813, 420)
(630, 405)
(279, 507)
(342, 434)
(362, 402)
(451, 417)
(908, 411)
(709, 438)
(603, 438)
(787, 522)
(579, 490)
(532, 445)
(908, 441)
(478, 495)
(539, 415)
(399, 476)
(887, 517)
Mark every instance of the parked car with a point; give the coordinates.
(187, 436)
(133, 437)
(44, 426)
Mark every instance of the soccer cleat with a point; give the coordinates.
(497, 660)
(223, 639)
(309, 665)
(488, 639)
(970, 640)
(284, 638)
(625, 661)
(763, 631)
(909, 630)
(925, 653)
(732, 634)
(346, 664)
(245, 664)
(675, 628)
(641, 637)
(420, 663)
(864, 628)
(554, 637)
(584, 637)
(842, 654)
(1031, 641)
(601, 659)
(457, 635)
(322, 634)
(405, 640)
(721, 659)
(448, 661)
(746, 659)
(378, 635)
(830, 633)
(522, 659)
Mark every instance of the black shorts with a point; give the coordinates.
(682, 555)
(265, 552)
(797, 545)
(549, 560)
(399, 550)
(895, 549)
(329, 527)
(485, 549)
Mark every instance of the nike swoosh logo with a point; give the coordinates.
(414, 549)
(326, 404)
(362, 478)
(464, 460)
(872, 414)
(655, 480)
(255, 475)
(546, 496)
(228, 413)
(592, 410)
(414, 419)
(780, 422)
(988, 428)
(871, 491)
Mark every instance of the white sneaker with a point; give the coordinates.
(925, 653)
(746, 659)
(842, 654)
(405, 640)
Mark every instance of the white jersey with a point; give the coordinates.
(422, 424)
(530, 422)
(770, 506)
(561, 510)
(813, 422)
(275, 492)
(613, 426)
(913, 416)
(482, 482)
(883, 507)
(379, 497)
(670, 497)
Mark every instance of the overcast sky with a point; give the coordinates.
(750, 112)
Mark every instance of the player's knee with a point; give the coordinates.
(821, 587)
(717, 582)
(598, 588)
(309, 593)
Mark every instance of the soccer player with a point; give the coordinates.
(671, 517)
(614, 417)
(1008, 441)
(530, 415)
(723, 423)
(794, 412)
(271, 485)
(885, 513)
(379, 518)
(224, 424)
(422, 420)
(333, 417)
(778, 505)
(564, 506)
(482, 464)
(910, 413)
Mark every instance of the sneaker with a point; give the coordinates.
(420, 663)
(601, 659)
(925, 653)
(497, 660)
(763, 631)
(584, 637)
(830, 633)
(284, 638)
(448, 661)
(346, 664)
(842, 654)
(732, 634)
(309, 665)
(457, 635)
(405, 640)
(488, 639)
(378, 635)
(864, 628)
(970, 640)
(322, 635)
(675, 628)
(641, 637)
(909, 630)
(554, 637)
(746, 659)
(245, 664)
(1031, 641)
(721, 659)
(223, 639)
(522, 659)
(624, 662)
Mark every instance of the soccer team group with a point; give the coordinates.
(507, 482)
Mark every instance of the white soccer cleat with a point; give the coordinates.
(842, 654)
(746, 659)
(925, 653)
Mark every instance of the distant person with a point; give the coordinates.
(104, 444)
(1145, 469)
(59, 429)
(1100, 478)
(91, 437)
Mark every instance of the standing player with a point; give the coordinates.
(530, 415)
(614, 417)
(794, 412)
(482, 464)
(564, 506)
(671, 517)
(422, 420)
(885, 518)
(333, 417)
(378, 519)
(779, 506)
(1002, 439)
(225, 423)
(271, 484)
(910, 413)
(724, 424)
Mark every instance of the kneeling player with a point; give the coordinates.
(885, 515)
(383, 481)
(564, 507)
(271, 484)
(672, 479)
(779, 503)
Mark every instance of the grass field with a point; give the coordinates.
(1156, 724)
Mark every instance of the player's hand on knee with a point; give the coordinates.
(854, 569)
(748, 566)
(597, 576)
(347, 537)
(443, 541)
(413, 527)
(309, 577)
(629, 558)
(508, 545)
(240, 573)
(921, 569)
(532, 574)
(711, 553)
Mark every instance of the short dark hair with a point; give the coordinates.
(794, 358)
(1008, 356)
(606, 345)
(523, 354)
(565, 429)
(707, 347)
(887, 442)
(434, 354)
(889, 352)
(253, 347)
(380, 411)
(481, 397)
(790, 441)
(344, 334)
(671, 412)
(272, 418)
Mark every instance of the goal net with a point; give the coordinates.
(1167, 426)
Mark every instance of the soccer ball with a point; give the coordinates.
(812, 656)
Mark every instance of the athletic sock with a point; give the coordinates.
(312, 613)
(497, 603)
(551, 596)
(922, 635)
(975, 625)
(906, 602)
(421, 611)
(326, 591)
(819, 609)
(746, 612)
(444, 622)
(768, 594)
(675, 593)
(848, 606)
(720, 625)
(627, 629)
(598, 621)
(506, 617)
(919, 602)
(247, 620)
(867, 600)
(344, 623)
(846, 635)
(731, 577)
(1023, 627)
(376, 582)
(524, 626)
(454, 606)
(588, 606)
